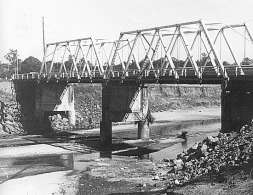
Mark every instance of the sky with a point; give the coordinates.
(21, 20)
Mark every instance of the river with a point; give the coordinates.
(39, 165)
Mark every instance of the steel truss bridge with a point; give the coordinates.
(190, 52)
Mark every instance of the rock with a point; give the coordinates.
(212, 139)
(204, 148)
(195, 146)
(178, 164)
(156, 177)
(189, 164)
(164, 172)
(170, 169)
(176, 182)
(233, 149)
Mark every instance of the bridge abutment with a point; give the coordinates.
(236, 105)
(38, 101)
(55, 98)
(123, 103)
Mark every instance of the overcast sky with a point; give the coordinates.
(21, 29)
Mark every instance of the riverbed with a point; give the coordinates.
(76, 164)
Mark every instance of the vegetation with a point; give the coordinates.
(30, 64)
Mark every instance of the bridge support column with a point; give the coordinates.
(236, 105)
(143, 129)
(123, 103)
(106, 123)
(143, 125)
(72, 117)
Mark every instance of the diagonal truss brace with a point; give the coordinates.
(189, 54)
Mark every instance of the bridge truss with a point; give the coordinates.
(184, 52)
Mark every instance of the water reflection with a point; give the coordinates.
(21, 167)
(106, 154)
(184, 144)
(195, 134)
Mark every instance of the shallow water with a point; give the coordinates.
(196, 133)
(56, 169)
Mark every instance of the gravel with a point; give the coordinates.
(210, 156)
(10, 116)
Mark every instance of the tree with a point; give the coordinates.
(8, 69)
(30, 64)
(11, 56)
(247, 61)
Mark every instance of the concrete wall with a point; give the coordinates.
(125, 102)
(56, 98)
(39, 100)
(25, 97)
(236, 105)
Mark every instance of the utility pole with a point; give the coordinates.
(16, 62)
(44, 46)
(43, 34)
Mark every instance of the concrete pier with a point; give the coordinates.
(106, 123)
(236, 105)
(123, 103)
(143, 129)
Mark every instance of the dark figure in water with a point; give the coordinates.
(183, 135)
(2, 111)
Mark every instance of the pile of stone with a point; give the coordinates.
(59, 123)
(212, 155)
(11, 120)
(10, 115)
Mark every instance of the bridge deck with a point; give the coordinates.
(148, 79)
